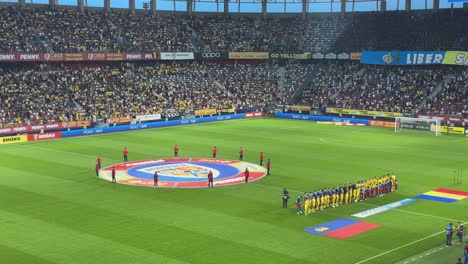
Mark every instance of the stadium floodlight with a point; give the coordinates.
(403, 124)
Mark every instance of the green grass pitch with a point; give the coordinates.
(54, 210)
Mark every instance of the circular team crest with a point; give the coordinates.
(183, 172)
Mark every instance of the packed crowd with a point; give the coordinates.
(451, 101)
(50, 94)
(144, 32)
(328, 79)
(49, 29)
(255, 86)
(399, 90)
(348, 193)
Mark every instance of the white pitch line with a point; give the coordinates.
(323, 140)
(458, 140)
(416, 213)
(400, 247)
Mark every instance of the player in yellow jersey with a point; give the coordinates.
(313, 203)
(306, 204)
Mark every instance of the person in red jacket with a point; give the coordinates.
(155, 179)
(176, 151)
(210, 179)
(261, 158)
(241, 154)
(113, 175)
(246, 175)
(97, 169)
(268, 165)
(214, 151)
(99, 161)
(125, 153)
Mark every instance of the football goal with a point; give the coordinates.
(431, 125)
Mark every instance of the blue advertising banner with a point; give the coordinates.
(457, 1)
(402, 57)
(91, 131)
(322, 118)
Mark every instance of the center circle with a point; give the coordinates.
(183, 172)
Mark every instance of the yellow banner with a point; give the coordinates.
(449, 130)
(249, 55)
(297, 108)
(355, 56)
(13, 139)
(456, 58)
(205, 112)
(227, 110)
(362, 112)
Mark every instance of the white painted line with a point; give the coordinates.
(403, 246)
(416, 213)
(324, 140)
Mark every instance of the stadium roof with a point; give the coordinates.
(255, 6)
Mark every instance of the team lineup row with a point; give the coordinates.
(344, 194)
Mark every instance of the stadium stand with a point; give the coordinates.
(451, 101)
(389, 89)
(402, 30)
(47, 93)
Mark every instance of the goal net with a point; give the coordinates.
(417, 124)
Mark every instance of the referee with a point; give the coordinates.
(285, 198)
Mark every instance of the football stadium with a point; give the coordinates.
(234, 131)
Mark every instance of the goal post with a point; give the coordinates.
(405, 124)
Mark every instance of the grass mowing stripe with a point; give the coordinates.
(59, 244)
(16, 255)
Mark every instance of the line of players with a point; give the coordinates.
(345, 194)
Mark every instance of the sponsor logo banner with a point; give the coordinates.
(252, 115)
(298, 108)
(205, 112)
(456, 58)
(248, 55)
(13, 139)
(35, 128)
(445, 118)
(383, 208)
(330, 56)
(227, 110)
(318, 55)
(211, 56)
(145, 118)
(120, 120)
(343, 56)
(18, 57)
(449, 130)
(362, 112)
(377, 123)
(171, 113)
(296, 56)
(176, 55)
(355, 55)
(45, 136)
(402, 57)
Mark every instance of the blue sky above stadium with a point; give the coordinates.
(292, 6)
